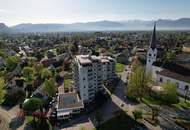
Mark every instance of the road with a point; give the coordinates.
(114, 105)
(108, 109)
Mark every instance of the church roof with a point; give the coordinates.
(153, 39)
(175, 75)
(174, 71)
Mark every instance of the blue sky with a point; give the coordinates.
(69, 11)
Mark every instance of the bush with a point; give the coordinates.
(137, 114)
(169, 93)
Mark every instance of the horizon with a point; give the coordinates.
(71, 11)
(83, 22)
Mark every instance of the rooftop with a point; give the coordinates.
(86, 59)
(69, 101)
(175, 75)
(175, 71)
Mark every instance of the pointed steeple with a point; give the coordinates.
(153, 40)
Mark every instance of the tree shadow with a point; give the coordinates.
(120, 93)
(16, 123)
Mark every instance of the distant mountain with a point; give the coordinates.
(162, 24)
(90, 26)
(4, 28)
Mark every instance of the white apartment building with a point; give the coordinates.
(90, 72)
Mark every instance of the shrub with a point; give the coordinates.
(137, 114)
(169, 93)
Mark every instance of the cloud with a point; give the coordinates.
(2, 10)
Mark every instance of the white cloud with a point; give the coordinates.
(2, 10)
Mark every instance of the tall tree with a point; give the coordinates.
(49, 87)
(11, 62)
(139, 82)
(46, 73)
(38, 68)
(28, 73)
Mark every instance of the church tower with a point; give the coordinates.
(152, 52)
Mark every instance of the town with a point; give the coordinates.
(95, 80)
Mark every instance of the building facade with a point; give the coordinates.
(167, 72)
(90, 72)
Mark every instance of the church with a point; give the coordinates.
(174, 72)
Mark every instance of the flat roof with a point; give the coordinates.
(87, 59)
(84, 59)
(69, 101)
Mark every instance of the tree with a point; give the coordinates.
(2, 91)
(169, 93)
(139, 83)
(137, 114)
(32, 104)
(170, 56)
(38, 68)
(46, 73)
(28, 73)
(3, 54)
(49, 87)
(11, 62)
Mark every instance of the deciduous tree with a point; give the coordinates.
(139, 83)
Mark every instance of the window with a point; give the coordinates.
(83, 78)
(150, 54)
(84, 86)
(186, 87)
(161, 80)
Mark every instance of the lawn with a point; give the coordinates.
(121, 122)
(67, 83)
(151, 100)
(183, 104)
(120, 67)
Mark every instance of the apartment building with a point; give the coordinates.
(90, 72)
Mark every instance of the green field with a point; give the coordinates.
(120, 67)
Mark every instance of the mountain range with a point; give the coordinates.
(162, 24)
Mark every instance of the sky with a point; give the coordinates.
(14, 12)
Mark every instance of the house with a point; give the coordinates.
(68, 104)
(167, 72)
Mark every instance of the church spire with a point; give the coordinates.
(153, 40)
